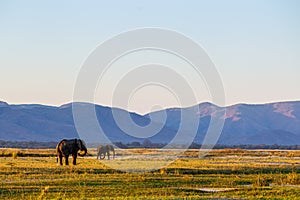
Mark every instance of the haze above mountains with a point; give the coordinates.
(273, 123)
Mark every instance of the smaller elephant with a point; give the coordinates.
(102, 150)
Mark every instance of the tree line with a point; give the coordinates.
(145, 144)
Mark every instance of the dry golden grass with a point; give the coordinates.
(34, 174)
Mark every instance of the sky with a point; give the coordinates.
(254, 44)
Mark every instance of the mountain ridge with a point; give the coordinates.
(243, 123)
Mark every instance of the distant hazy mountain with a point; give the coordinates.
(274, 123)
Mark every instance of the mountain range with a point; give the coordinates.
(272, 123)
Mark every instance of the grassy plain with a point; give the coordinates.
(221, 174)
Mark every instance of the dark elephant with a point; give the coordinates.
(70, 147)
(102, 150)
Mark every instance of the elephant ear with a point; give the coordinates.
(82, 148)
(81, 144)
(78, 143)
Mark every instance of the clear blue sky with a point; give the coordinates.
(255, 44)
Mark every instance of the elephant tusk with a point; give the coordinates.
(85, 152)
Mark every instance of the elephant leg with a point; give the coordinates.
(98, 155)
(67, 159)
(60, 160)
(74, 159)
(108, 155)
(114, 154)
